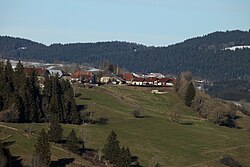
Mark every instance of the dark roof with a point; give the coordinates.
(39, 71)
(151, 79)
(79, 74)
(167, 80)
(138, 79)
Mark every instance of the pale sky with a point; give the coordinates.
(149, 22)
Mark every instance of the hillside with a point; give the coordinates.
(192, 142)
(204, 56)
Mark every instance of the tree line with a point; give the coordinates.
(22, 100)
(112, 152)
(115, 154)
(215, 110)
(204, 56)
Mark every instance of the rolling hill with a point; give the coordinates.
(205, 56)
(192, 142)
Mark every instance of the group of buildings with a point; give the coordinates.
(152, 79)
(90, 77)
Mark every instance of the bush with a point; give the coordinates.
(138, 112)
(229, 161)
(77, 95)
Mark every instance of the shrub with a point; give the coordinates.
(138, 112)
(229, 161)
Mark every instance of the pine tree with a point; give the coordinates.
(73, 114)
(29, 99)
(157, 164)
(8, 69)
(190, 94)
(70, 111)
(46, 97)
(1, 102)
(124, 158)
(41, 156)
(57, 98)
(111, 148)
(72, 142)
(32, 99)
(3, 157)
(55, 130)
(19, 77)
(35, 92)
(16, 110)
(6, 85)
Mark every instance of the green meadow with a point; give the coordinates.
(191, 142)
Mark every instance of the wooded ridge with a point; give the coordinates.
(205, 56)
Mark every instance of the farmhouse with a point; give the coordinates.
(112, 79)
(106, 80)
(128, 78)
(83, 77)
(58, 73)
(166, 81)
(137, 81)
(152, 79)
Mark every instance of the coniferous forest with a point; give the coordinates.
(205, 56)
(22, 100)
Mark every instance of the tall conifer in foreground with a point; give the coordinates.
(55, 130)
(190, 94)
(41, 156)
(111, 148)
(72, 142)
(124, 158)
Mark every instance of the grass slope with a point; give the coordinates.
(193, 142)
(24, 142)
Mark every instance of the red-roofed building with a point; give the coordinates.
(166, 81)
(128, 77)
(153, 79)
(42, 72)
(83, 76)
(150, 81)
(137, 81)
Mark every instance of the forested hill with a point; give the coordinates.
(204, 56)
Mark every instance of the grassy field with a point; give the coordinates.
(192, 142)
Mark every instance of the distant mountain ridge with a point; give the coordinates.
(204, 56)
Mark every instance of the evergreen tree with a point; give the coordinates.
(190, 94)
(19, 77)
(3, 157)
(111, 148)
(1, 102)
(16, 110)
(41, 157)
(72, 142)
(29, 99)
(35, 91)
(7, 86)
(157, 164)
(46, 97)
(32, 99)
(124, 158)
(57, 98)
(8, 70)
(71, 115)
(55, 130)
(1, 85)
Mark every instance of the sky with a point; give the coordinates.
(148, 22)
